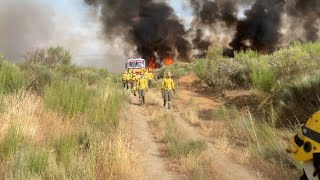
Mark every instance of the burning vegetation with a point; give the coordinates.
(152, 29)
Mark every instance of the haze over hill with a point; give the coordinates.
(30, 24)
(104, 33)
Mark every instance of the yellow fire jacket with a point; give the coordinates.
(125, 76)
(167, 84)
(149, 75)
(142, 84)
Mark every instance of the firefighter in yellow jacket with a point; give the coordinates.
(305, 147)
(125, 81)
(142, 88)
(167, 87)
(150, 77)
(133, 79)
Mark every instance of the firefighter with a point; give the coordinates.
(125, 79)
(167, 87)
(133, 78)
(305, 147)
(142, 88)
(150, 77)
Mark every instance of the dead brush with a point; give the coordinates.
(117, 159)
(27, 112)
(260, 147)
(185, 153)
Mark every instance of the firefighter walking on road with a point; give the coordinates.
(125, 80)
(142, 88)
(167, 87)
(150, 77)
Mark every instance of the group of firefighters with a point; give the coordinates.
(305, 145)
(141, 82)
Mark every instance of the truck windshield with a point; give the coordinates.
(132, 64)
(140, 64)
(136, 64)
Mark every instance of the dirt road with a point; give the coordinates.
(150, 159)
(155, 165)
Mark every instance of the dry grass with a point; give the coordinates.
(223, 143)
(185, 155)
(117, 159)
(191, 115)
(214, 129)
(26, 111)
(65, 148)
(256, 145)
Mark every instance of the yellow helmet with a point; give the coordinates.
(308, 140)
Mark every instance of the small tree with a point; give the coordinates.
(58, 56)
(51, 57)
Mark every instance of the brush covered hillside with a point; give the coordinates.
(60, 121)
(231, 118)
(249, 105)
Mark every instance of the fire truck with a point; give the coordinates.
(135, 65)
(138, 64)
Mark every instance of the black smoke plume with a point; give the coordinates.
(260, 30)
(306, 13)
(151, 26)
(153, 29)
(209, 14)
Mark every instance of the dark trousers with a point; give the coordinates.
(167, 95)
(149, 83)
(125, 84)
(142, 96)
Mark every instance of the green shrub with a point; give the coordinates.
(104, 109)
(291, 61)
(299, 100)
(10, 144)
(66, 148)
(313, 49)
(183, 148)
(103, 72)
(51, 57)
(70, 96)
(85, 138)
(237, 73)
(68, 71)
(214, 53)
(260, 137)
(30, 162)
(177, 70)
(38, 77)
(89, 76)
(243, 56)
(262, 75)
(179, 147)
(200, 68)
(11, 79)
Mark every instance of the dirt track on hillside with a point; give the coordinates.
(145, 145)
(155, 165)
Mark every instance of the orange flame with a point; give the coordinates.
(168, 60)
(152, 63)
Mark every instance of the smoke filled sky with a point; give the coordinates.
(105, 33)
(28, 24)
